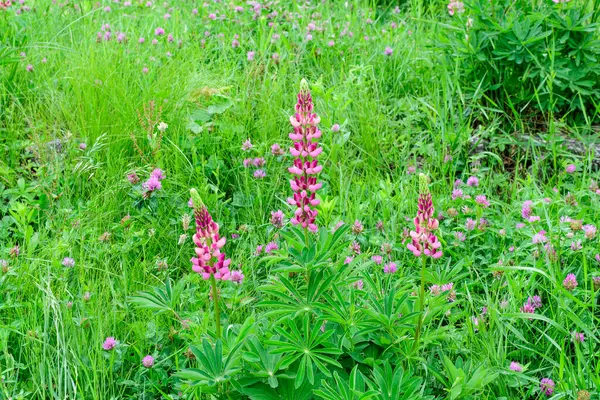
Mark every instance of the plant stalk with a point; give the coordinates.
(421, 303)
(215, 296)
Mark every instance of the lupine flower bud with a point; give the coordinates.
(305, 168)
(209, 259)
(423, 239)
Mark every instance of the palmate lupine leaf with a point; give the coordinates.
(214, 368)
(162, 299)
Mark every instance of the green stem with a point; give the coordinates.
(421, 303)
(215, 296)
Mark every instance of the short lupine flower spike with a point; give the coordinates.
(305, 168)
(423, 239)
(209, 259)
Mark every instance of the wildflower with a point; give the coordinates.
(68, 262)
(331, 43)
(209, 259)
(141, 40)
(470, 224)
(390, 268)
(159, 31)
(109, 343)
(377, 259)
(348, 260)
(411, 169)
(570, 168)
(502, 232)
(259, 174)
(359, 284)
(335, 128)
(355, 247)
(250, 56)
(515, 366)
(460, 236)
(237, 277)
(270, 247)
(435, 290)
(456, 7)
(452, 212)
(275, 58)
(247, 162)
(277, 219)
(596, 280)
(258, 250)
(145, 70)
(258, 162)
(520, 225)
(570, 282)
(158, 174)
(388, 51)
(29, 68)
(247, 145)
(482, 200)
(357, 227)
(162, 127)
(82, 146)
(305, 168)
(148, 361)
(535, 301)
(539, 237)
(576, 245)
(152, 184)
(276, 150)
(590, 231)
(547, 386)
(534, 218)
(473, 181)
(423, 239)
(457, 194)
(578, 337)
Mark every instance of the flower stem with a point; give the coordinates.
(421, 303)
(215, 296)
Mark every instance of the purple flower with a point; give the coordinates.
(158, 174)
(578, 337)
(271, 246)
(148, 361)
(305, 168)
(247, 145)
(390, 268)
(388, 51)
(411, 169)
(457, 194)
(109, 343)
(152, 184)
(470, 224)
(259, 174)
(357, 227)
(145, 70)
(250, 55)
(482, 199)
(460, 236)
(276, 150)
(576, 245)
(277, 219)
(237, 277)
(259, 249)
(570, 168)
(358, 284)
(331, 43)
(82, 146)
(596, 280)
(377, 259)
(348, 260)
(68, 262)
(29, 68)
(473, 181)
(209, 259)
(258, 162)
(335, 128)
(515, 366)
(547, 386)
(539, 237)
(159, 31)
(570, 282)
(590, 231)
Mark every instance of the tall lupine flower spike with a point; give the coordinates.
(423, 239)
(305, 168)
(209, 259)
